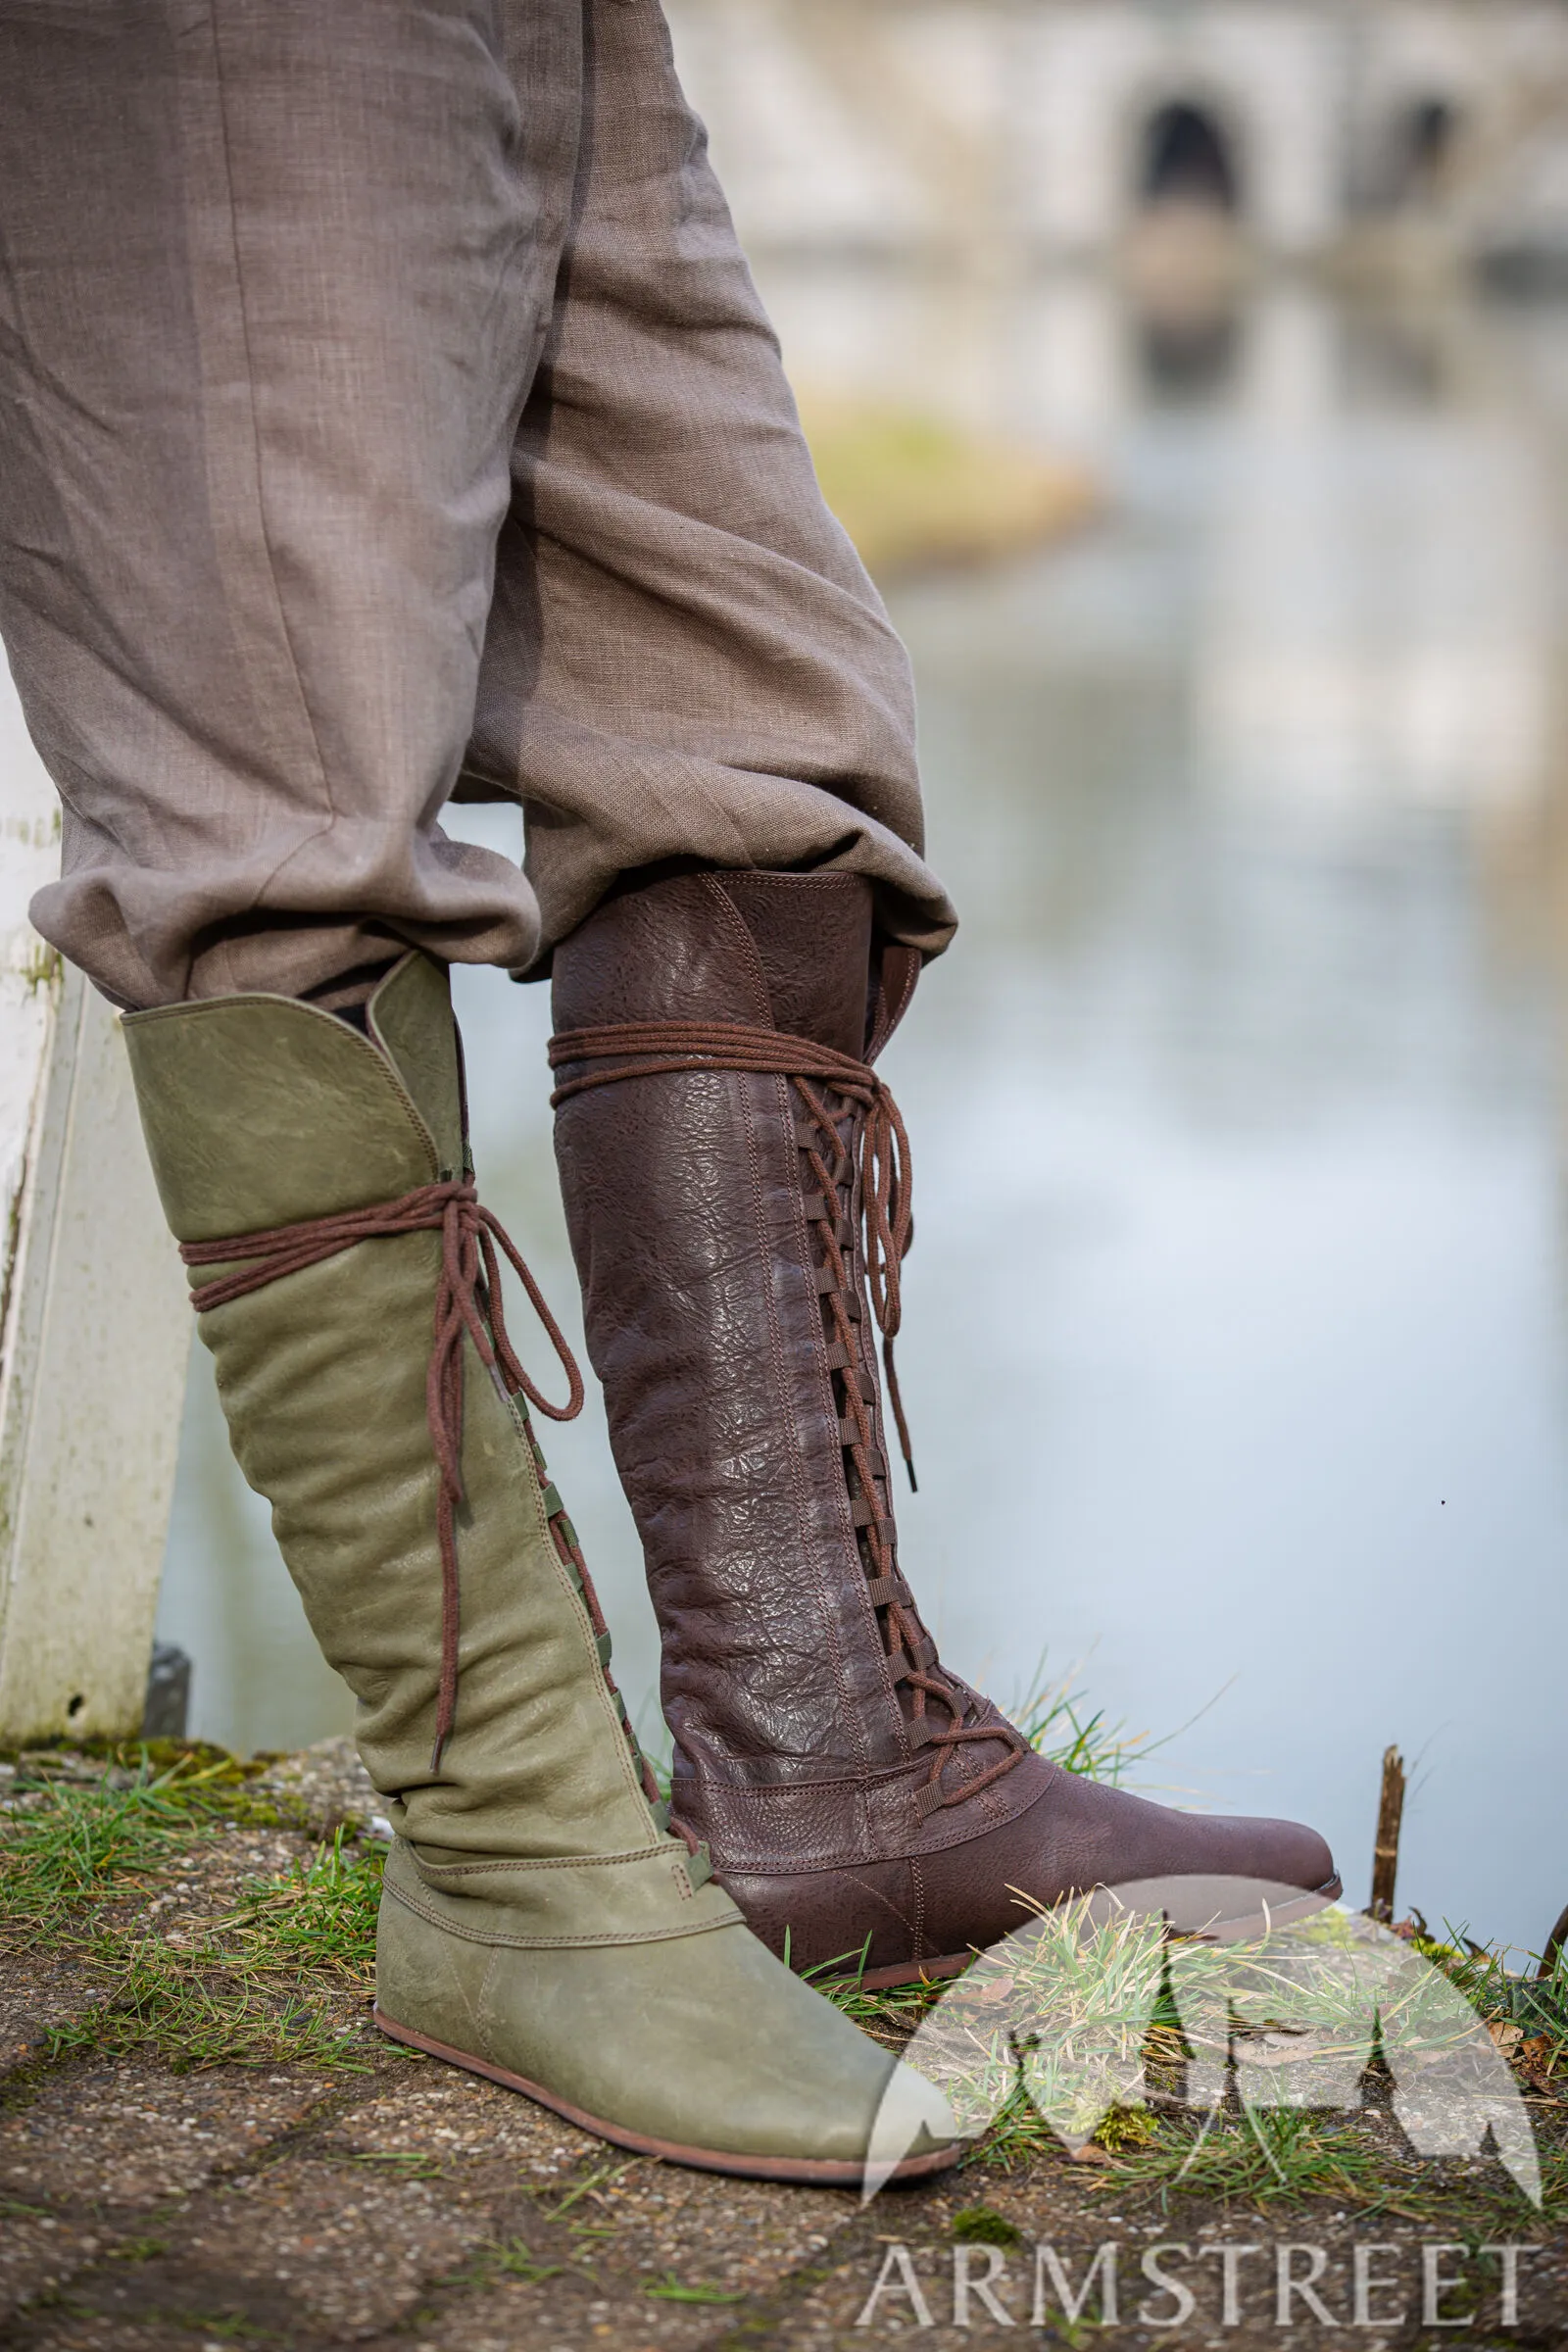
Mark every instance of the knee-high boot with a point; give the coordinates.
(730, 1165)
(539, 1924)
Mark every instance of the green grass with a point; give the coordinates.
(1290, 2156)
(198, 2009)
(68, 1843)
(601, 2177)
(252, 1988)
(671, 2289)
(316, 1920)
(891, 2015)
(1093, 1992)
(1105, 2039)
(502, 2258)
(1536, 2005)
(249, 1990)
(1282, 2155)
(281, 1975)
(1055, 1725)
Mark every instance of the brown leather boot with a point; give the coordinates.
(735, 1181)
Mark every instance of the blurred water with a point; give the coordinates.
(1236, 1339)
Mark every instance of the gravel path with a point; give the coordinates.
(408, 2205)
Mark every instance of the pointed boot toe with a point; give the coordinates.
(1287, 1852)
(1200, 1870)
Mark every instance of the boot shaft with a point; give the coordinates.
(866, 1809)
(259, 1113)
(717, 1215)
(701, 1304)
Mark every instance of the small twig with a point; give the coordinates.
(1385, 1850)
(1552, 1954)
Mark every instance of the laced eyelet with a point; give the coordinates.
(858, 1161)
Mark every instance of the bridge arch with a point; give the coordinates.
(1421, 133)
(1187, 152)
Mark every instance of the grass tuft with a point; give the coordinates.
(198, 2009)
(316, 1920)
(1279, 2154)
(1536, 2005)
(1054, 1720)
(983, 2225)
(262, 1984)
(70, 1838)
(502, 2258)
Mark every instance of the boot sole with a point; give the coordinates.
(1227, 1931)
(807, 2171)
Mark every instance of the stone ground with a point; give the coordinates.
(406, 2205)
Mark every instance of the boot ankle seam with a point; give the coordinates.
(727, 1860)
(501, 1939)
(665, 1847)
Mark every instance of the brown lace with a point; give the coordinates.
(876, 1164)
(467, 1300)
(660, 1048)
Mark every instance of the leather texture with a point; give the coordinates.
(537, 1915)
(799, 1756)
(708, 2042)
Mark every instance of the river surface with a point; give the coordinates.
(1237, 1329)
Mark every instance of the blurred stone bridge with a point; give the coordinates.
(1314, 128)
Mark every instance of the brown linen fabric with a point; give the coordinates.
(386, 412)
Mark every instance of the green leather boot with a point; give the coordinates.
(539, 1924)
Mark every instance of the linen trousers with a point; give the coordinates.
(387, 415)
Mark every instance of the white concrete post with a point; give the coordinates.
(94, 1324)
